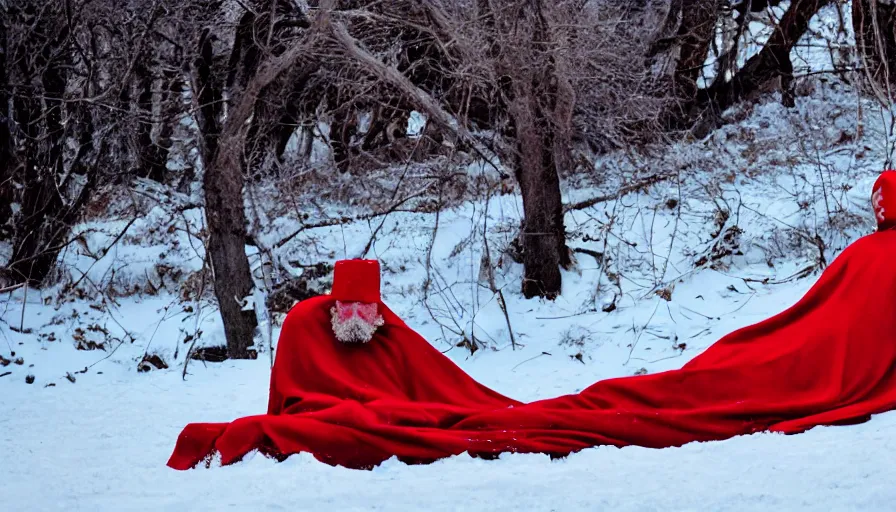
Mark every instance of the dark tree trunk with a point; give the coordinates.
(692, 35)
(223, 185)
(772, 63)
(154, 151)
(43, 221)
(874, 23)
(342, 128)
(289, 122)
(209, 91)
(224, 209)
(726, 64)
(540, 105)
(33, 253)
(42, 232)
(170, 110)
(153, 154)
(666, 36)
(698, 23)
(543, 236)
(6, 150)
(297, 109)
(273, 123)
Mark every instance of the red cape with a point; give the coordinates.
(330, 398)
(829, 359)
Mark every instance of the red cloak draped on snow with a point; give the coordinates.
(830, 359)
(348, 403)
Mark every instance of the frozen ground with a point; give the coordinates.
(95, 456)
(101, 444)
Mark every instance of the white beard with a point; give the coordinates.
(355, 329)
(877, 202)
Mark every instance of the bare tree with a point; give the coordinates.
(6, 149)
(537, 74)
(41, 63)
(686, 34)
(224, 143)
(528, 55)
(692, 29)
(874, 22)
(771, 63)
(67, 91)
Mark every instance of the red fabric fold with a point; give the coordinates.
(830, 359)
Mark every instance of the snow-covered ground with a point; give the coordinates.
(63, 450)
(737, 229)
(101, 444)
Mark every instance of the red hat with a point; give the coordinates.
(883, 200)
(356, 281)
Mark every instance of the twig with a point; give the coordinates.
(347, 220)
(6, 339)
(12, 288)
(427, 283)
(628, 189)
(105, 251)
(635, 343)
(446, 292)
(530, 359)
(417, 96)
(742, 305)
(660, 359)
(24, 302)
(491, 274)
(701, 333)
(598, 256)
(107, 356)
(197, 313)
(674, 232)
(158, 324)
(261, 310)
(697, 313)
(183, 374)
(376, 231)
(112, 303)
(572, 315)
(432, 242)
(792, 277)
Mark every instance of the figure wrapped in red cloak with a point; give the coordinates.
(345, 366)
(382, 391)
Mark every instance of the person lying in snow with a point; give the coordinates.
(354, 386)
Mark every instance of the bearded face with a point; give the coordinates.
(877, 200)
(355, 322)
